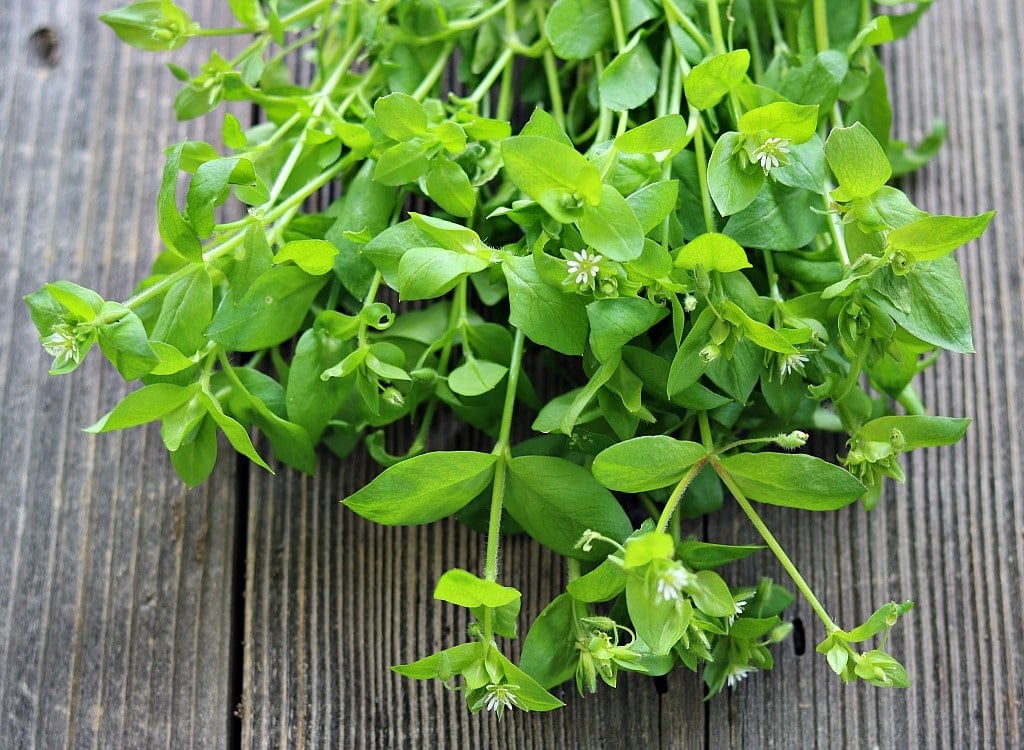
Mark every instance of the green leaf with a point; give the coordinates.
(423, 488)
(733, 187)
(549, 650)
(611, 227)
(884, 617)
(126, 344)
(153, 25)
(687, 364)
(616, 322)
(545, 125)
(449, 187)
(533, 305)
(780, 218)
(83, 304)
(711, 595)
(914, 431)
(269, 313)
(716, 77)
(932, 237)
(315, 257)
(938, 312)
(400, 116)
(402, 163)
(387, 248)
(428, 272)
(578, 29)
(463, 589)
(646, 463)
(714, 252)
(476, 377)
(815, 81)
(659, 622)
(556, 501)
(858, 162)
(652, 203)
(176, 233)
(310, 400)
(602, 584)
(530, 695)
(761, 334)
(194, 461)
(663, 136)
(645, 547)
(186, 312)
(236, 434)
(794, 122)
(556, 176)
(793, 480)
(806, 167)
(444, 664)
(706, 556)
(209, 188)
(148, 403)
(630, 79)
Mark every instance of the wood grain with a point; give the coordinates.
(115, 583)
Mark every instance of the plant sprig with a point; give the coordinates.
(682, 208)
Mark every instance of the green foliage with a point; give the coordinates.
(693, 233)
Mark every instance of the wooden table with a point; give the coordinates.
(255, 611)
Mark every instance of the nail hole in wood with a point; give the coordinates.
(45, 47)
(799, 638)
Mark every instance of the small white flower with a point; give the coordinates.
(737, 674)
(792, 363)
(583, 268)
(738, 610)
(62, 345)
(672, 581)
(689, 303)
(499, 697)
(771, 153)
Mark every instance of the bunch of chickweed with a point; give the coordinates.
(686, 204)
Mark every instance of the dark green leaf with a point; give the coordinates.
(793, 480)
(646, 463)
(556, 501)
(423, 488)
(269, 313)
(549, 651)
(533, 305)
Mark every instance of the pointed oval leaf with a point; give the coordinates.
(424, 488)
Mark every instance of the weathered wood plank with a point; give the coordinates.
(951, 538)
(115, 583)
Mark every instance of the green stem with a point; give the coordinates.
(715, 22)
(821, 26)
(434, 73)
(705, 431)
(677, 494)
(371, 295)
(910, 400)
(501, 451)
(776, 548)
(492, 75)
(620, 29)
(702, 176)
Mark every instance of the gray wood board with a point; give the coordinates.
(115, 582)
(333, 601)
